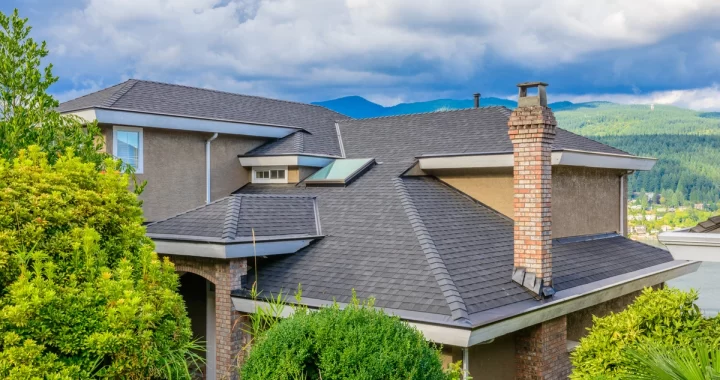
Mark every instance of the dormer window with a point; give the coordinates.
(267, 174)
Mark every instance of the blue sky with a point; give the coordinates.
(389, 51)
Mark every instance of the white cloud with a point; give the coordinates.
(700, 99)
(332, 42)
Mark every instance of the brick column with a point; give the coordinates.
(226, 276)
(531, 128)
(541, 351)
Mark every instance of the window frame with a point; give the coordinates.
(118, 128)
(257, 169)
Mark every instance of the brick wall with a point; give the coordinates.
(229, 336)
(541, 351)
(532, 131)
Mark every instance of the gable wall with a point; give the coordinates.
(585, 200)
(174, 167)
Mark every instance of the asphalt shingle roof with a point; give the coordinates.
(171, 99)
(711, 225)
(235, 217)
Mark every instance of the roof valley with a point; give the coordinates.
(455, 302)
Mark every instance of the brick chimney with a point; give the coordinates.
(532, 132)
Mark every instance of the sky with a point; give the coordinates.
(389, 51)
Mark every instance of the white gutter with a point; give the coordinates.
(566, 157)
(684, 245)
(207, 167)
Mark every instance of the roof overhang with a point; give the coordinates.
(494, 323)
(564, 157)
(220, 249)
(312, 160)
(685, 245)
(183, 123)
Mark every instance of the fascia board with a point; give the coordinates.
(229, 251)
(692, 245)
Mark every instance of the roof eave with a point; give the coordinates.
(685, 245)
(230, 249)
(311, 160)
(560, 157)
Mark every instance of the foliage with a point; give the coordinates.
(695, 362)
(27, 111)
(81, 291)
(357, 342)
(668, 318)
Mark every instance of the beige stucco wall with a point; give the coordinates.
(174, 167)
(493, 188)
(584, 200)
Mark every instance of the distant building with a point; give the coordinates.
(661, 209)
(636, 207)
(640, 230)
(650, 217)
(699, 206)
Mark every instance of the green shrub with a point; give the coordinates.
(82, 292)
(664, 318)
(357, 342)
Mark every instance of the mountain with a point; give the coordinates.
(359, 107)
(686, 142)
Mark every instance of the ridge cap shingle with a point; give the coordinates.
(232, 217)
(458, 308)
(119, 93)
(487, 108)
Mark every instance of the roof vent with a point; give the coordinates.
(340, 172)
(537, 100)
(477, 99)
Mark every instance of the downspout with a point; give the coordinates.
(207, 166)
(466, 362)
(622, 204)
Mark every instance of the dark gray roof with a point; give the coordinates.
(416, 244)
(474, 130)
(708, 226)
(233, 218)
(170, 99)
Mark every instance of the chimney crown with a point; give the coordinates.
(528, 101)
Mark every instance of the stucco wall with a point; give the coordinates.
(493, 188)
(490, 361)
(585, 201)
(174, 167)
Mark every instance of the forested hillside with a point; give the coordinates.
(686, 142)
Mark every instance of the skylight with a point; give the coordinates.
(340, 172)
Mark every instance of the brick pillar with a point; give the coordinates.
(541, 351)
(226, 276)
(531, 128)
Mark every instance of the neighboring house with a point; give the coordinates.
(492, 231)
(701, 242)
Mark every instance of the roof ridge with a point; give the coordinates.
(458, 308)
(232, 218)
(423, 113)
(95, 92)
(233, 93)
(126, 86)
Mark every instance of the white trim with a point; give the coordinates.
(290, 160)
(623, 206)
(207, 167)
(565, 158)
(229, 251)
(685, 245)
(256, 169)
(184, 123)
(141, 144)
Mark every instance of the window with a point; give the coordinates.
(128, 146)
(270, 175)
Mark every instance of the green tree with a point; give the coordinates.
(28, 113)
(81, 291)
(357, 342)
(666, 318)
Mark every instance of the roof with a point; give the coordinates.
(472, 130)
(416, 244)
(711, 225)
(318, 123)
(236, 217)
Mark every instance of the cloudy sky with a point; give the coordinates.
(389, 51)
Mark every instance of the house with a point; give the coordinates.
(699, 206)
(650, 217)
(495, 233)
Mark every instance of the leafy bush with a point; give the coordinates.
(665, 318)
(82, 293)
(357, 342)
(696, 362)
